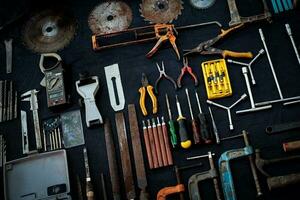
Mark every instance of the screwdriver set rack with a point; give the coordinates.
(216, 79)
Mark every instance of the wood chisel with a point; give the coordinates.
(125, 156)
(162, 143)
(137, 153)
(112, 160)
(166, 140)
(152, 144)
(89, 185)
(147, 144)
(157, 143)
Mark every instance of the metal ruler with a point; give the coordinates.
(125, 156)
(137, 152)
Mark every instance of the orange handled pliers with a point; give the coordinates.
(147, 88)
(186, 69)
(164, 32)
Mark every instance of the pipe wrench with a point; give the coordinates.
(87, 87)
(31, 96)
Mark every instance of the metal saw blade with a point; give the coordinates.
(109, 17)
(49, 31)
(202, 4)
(161, 11)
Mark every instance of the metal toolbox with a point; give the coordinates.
(38, 176)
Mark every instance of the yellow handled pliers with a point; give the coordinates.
(147, 88)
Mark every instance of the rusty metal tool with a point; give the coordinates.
(283, 181)
(142, 182)
(162, 143)
(112, 160)
(225, 171)
(195, 179)
(157, 142)
(171, 124)
(186, 69)
(195, 127)
(177, 189)
(147, 88)
(89, 185)
(236, 19)
(162, 74)
(9, 53)
(261, 163)
(152, 144)
(228, 109)
(277, 128)
(125, 156)
(291, 146)
(185, 142)
(142, 34)
(215, 129)
(31, 96)
(205, 48)
(147, 143)
(166, 141)
(103, 187)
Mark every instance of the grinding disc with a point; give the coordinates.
(49, 31)
(108, 17)
(161, 11)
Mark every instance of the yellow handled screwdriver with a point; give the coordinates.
(184, 139)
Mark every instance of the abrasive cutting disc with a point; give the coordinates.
(202, 4)
(49, 31)
(110, 17)
(161, 11)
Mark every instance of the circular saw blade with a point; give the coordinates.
(161, 11)
(49, 31)
(202, 4)
(109, 17)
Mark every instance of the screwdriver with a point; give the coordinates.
(205, 133)
(184, 140)
(195, 128)
(171, 124)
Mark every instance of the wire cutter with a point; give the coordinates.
(205, 48)
(164, 32)
(162, 73)
(149, 88)
(186, 69)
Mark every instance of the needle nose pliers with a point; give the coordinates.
(162, 74)
(186, 69)
(205, 48)
(147, 88)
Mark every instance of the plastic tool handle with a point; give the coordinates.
(184, 139)
(233, 54)
(173, 133)
(142, 92)
(205, 133)
(164, 192)
(153, 99)
(291, 146)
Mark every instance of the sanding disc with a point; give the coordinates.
(109, 17)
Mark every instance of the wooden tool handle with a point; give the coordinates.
(167, 144)
(162, 145)
(233, 54)
(157, 146)
(152, 147)
(148, 147)
(291, 146)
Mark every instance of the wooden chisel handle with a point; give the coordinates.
(156, 142)
(167, 142)
(152, 145)
(148, 147)
(162, 143)
(291, 146)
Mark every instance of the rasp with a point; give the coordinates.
(137, 152)
(112, 160)
(125, 156)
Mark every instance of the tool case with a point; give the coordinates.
(38, 176)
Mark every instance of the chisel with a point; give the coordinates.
(148, 147)
(171, 124)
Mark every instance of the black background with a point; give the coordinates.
(132, 62)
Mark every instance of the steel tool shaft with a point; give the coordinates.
(8, 49)
(89, 185)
